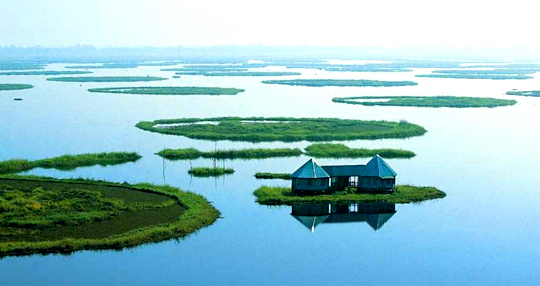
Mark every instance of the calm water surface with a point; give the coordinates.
(485, 232)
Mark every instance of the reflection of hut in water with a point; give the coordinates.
(375, 176)
(375, 214)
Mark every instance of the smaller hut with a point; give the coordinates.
(310, 177)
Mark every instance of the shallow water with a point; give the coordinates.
(485, 232)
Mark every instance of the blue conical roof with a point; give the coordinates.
(310, 170)
(377, 167)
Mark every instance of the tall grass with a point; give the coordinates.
(14, 86)
(329, 150)
(169, 90)
(256, 153)
(266, 175)
(199, 213)
(340, 82)
(106, 78)
(426, 101)
(259, 129)
(69, 162)
(210, 171)
(533, 93)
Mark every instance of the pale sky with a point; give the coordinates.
(161, 23)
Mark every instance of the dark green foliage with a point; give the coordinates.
(45, 72)
(330, 150)
(404, 194)
(107, 78)
(426, 101)
(258, 153)
(533, 93)
(169, 90)
(14, 86)
(340, 82)
(282, 176)
(69, 162)
(46, 215)
(258, 129)
(210, 171)
(477, 76)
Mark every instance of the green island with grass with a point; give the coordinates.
(426, 101)
(69, 162)
(210, 171)
(106, 78)
(105, 66)
(285, 129)
(340, 82)
(271, 176)
(14, 86)
(45, 73)
(531, 93)
(254, 153)
(508, 71)
(47, 215)
(402, 195)
(337, 150)
(477, 76)
(21, 66)
(170, 90)
(237, 73)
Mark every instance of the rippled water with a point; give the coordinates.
(485, 232)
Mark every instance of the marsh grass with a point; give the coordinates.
(14, 86)
(21, 66)
(69, 162)
(426, 101)
(330, 150)
(403, 194)
(531, 93)
(270, 176)
(477, 76)
(210, 171)
(169, 90)
(340, 82)
(237, 73)
(142, 221)
(45, 73)
(255, 153)
(285, 129)
(107, 79)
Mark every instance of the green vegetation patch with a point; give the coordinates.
(107, 78)
(69, 162)
(210, 171)
(105, 66)
(330, 150)
(169, 90)
(340, 82)
(255, 153)
(258, 129)
(404, 194)
(533, 93)
(425, 101)
(14, 86)
(477, 76)
(237, 73)
(45, 73)
(265, 175)
(21, 66)
(505, 71)
(47, 215)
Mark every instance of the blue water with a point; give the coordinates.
(485, 232)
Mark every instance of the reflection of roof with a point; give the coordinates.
(310, 170)
(375, 214)
(377, 167)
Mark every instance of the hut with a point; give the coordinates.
(310, 177)
(375, 176)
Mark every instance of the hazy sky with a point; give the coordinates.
(332, 22)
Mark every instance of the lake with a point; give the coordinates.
(485, 232)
